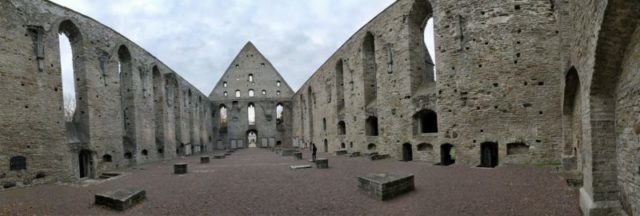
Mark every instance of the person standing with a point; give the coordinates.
(313, 152)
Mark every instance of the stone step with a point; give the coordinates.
(300, 166)
(120, 199)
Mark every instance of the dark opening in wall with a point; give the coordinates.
(489, 154)
(342, 145)
(145, 152)
(426, 121)
(369, 68)
(18, 163)
(517, 148)
(128, 155)
(371, 147)
(407, 152)
(371, 126)
(85, 164)
(342, 128)
(106, 158)
(340, 84)
(324, 124)
(326, 145)
(447, 154)
(425, 147)
(351, 145)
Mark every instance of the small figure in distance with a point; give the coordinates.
(313, 152)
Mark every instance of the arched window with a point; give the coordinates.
(224, 84)
(223, 116)
(371, 147)
(340, 85)
(279, 111)
(371, 126)
(369, 66)
(106, 158)
(18, 163)
(426, 121)
(250, 77)
(251, 114)
(421, 36)
(250, 92)
(324, 124)
(225, 93)
(237, 93)
(67, 30)
(425, 147)
(278, 83)
(342, 128)
(264, 92)
(278, 93)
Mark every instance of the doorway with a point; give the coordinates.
(85, 164)
(447, 154)
(489, 154)
(407, 153)
(252, 138)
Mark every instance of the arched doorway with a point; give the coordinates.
(447, 154)
(252, 138)
(326, 146)
(489, 154)
(407, 153)
(85, 164)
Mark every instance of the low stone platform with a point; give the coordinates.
(354, 154)
(180, 168)
(341, 152)
(120, 199)
(377, 156)
(204, 159)
(322, 163)
(219, 156)
(385, 186)
(287, 152)
(300, 166)
(297, 155)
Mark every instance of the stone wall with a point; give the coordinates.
(127, 99)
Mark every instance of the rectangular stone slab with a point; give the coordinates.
(300, 166)
(287, 152)
(180, 168)
(120, 199)
(341, 152)
(297, 155)
(322, 163)
(218, 156)
(385, 186)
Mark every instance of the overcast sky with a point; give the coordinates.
(198, 39)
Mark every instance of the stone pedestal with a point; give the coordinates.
(341, 152)
(297, 155)
(204, 160)
(384, 186)
(120, 199)
(322, 163)
(287, 152)
(180, 168)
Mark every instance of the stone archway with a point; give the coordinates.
(252, 138)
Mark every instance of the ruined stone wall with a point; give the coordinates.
(250, 71)
(112, 76)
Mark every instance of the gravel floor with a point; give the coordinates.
(259, 182)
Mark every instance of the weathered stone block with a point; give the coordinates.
(300, 166)
(204, 159)
(354, 154)
(180, 168)
(287, 152)
(341, 152)
(219, 156)
(297, 155)
(120, 199)
(322, 163)
(384, 186)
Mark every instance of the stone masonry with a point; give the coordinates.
(552, 83)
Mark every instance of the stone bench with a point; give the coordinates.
(341, 152)
(385, 186)
(287, 152)
(180, 168)
(322, 163)
(120, 199)
(204, 159)
(354, 154)
(297, 155)
(219, 156)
